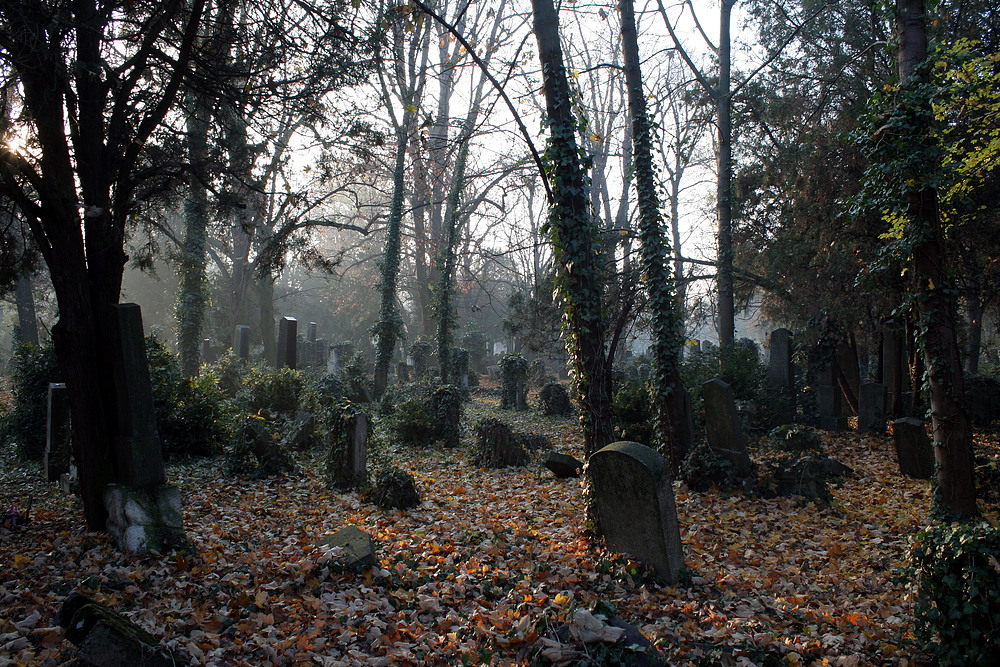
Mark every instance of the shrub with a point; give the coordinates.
(34, 367)
(514, 382)
(633, 410)
(553, 399)
(702, 468)
(395, 488)
(957, 578)
(411, 418)
(194, 417)
(795, 438)
(421, 351)
(229, 369)
(497, 445)
(357, 380)
(744, 373)
(271, 392)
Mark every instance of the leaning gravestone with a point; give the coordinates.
(563, 466)
(723, 427)
(914, 448)
(287, 342)
(144, 513)
(241, 341)
(871, 408)
(58, 446)
(634, 505)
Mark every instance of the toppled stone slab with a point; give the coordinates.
(359, 550)
(105, 638)
(563, 466)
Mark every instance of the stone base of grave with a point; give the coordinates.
(834, 424)
(145, 519)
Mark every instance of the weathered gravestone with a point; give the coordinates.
(723, 427)
(287, 342)
(241, 341)
(913, 447)
(58, 446)
(871, 408)
(403, 371)
(207, 352)
(563, 466)
(312, 332)
(781, 373)
(634, 505)
(144, 513)
(322, 353)
(105, 638)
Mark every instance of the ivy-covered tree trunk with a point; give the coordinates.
(575, 247)
(389, 327)
(664, 309)
(192, 290)
(935, 302)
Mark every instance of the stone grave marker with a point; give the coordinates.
(241, 341)
(287, 342)
(359, 550)
(563, 466)
(105, 638)
(723, 427)
(58, 446)
(781, 373)
(634, 505)
(312, 331)
(322, 353)
(913, 447)
(144, 513)
(357, 448)
(871, 408)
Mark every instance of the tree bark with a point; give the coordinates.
(935, 306)
(668, 392)
(574, 235)
(27, 324)
(723, 100)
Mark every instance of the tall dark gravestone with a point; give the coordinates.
(241, 341)
(144, 513)
(781, 373)
(287, 342)
(58, 446)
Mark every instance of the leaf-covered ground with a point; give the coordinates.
(481, 572)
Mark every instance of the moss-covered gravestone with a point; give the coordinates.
(634, 505)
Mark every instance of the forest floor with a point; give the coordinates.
(482, 572)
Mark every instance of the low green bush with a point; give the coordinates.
(272, 393)
(553, 399)
(956, 574)
(632, 405)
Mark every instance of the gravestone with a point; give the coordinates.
(241, 341)
(871, 408)
(58, 446)
(849, 366)
(634, 506)
(287, 342)
(105, 638)
(322, 353)
(359, 550)
(403, 371)
(144, 513)
(308, 355)
(913, 448)
(357, 448)
(723, 427)
(563, 466)
(313, 330)
(207, 352)
(781, 373)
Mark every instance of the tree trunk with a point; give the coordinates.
(574, 239)
(935, 307)
(655, 253)
(27, 324)
(192, 297)
(727, 302)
